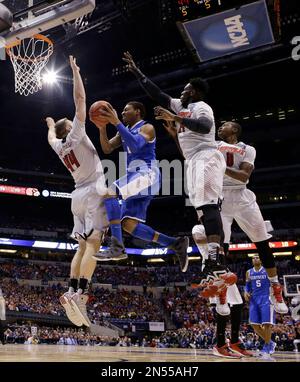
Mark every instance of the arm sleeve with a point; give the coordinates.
(134, 141)
(250, 155)
(201, 125)
(155, 92)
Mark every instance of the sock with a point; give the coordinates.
(144, 232)
(73, 284)
(221, 327)
(236, 317)
(82, 285)
(273, 279)
(213, 250)
(113, 211)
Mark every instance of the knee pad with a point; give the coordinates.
(198, 232)
(212, 219)
(265, 254)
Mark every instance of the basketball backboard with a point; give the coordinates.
(32, 17)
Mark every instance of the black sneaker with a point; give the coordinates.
(115, 252)
(211, 272)
(180, 248)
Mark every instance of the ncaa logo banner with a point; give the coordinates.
(231, 31)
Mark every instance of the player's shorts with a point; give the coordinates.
(240, 205)
(261, 311)
(137, 189)
(205, 172)
(88, 210)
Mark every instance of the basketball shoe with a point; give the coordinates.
(180, 248)
(115, 252)
(277, 300)
(70, 312)
(225, 352)
(239, 348)
(214, 278)
(78, 302)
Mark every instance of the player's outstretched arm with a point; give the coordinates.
(150, 88)
(51, 130)
(78, 91)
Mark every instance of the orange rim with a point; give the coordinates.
(36, 37)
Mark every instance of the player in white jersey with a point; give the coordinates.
(2, 317)
(206, 166)
(74, 148)
(239, 204)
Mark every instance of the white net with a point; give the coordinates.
(29, 57)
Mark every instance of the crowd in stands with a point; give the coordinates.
(102, 304)
(125, 275)
(199, 336)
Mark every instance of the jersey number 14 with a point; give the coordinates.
(70, 161)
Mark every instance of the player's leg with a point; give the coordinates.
(219, 299)
(134, 215)
(87, 268)
(2, 317)
(221, 349)
(113, 210)
(250, 220)
(65, 299)
(205, 173)
(235, 301)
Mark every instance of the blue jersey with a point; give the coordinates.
(146, 154)
(259, 283)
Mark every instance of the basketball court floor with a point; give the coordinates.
(63, 353)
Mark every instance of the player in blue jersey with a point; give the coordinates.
(138, 187)
(261, 310)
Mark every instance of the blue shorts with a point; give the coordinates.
(261, 311)
(137, 189)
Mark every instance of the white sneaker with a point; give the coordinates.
(70, 312)
(78, 302)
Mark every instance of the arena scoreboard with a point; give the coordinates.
(191, 9)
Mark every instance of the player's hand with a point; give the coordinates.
(73, 64)
(131, 64)
(171, 128)
(110, 113)
(247, 296)
(50, 122)
(164, 114)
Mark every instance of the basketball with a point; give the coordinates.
(95, 117)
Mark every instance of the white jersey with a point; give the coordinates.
(190, 141)
(79, 155)
(234, 155)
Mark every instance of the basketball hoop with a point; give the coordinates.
(29, 57)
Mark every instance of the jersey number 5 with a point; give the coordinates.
(258, 283)
(70, 160)
(229, 159)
